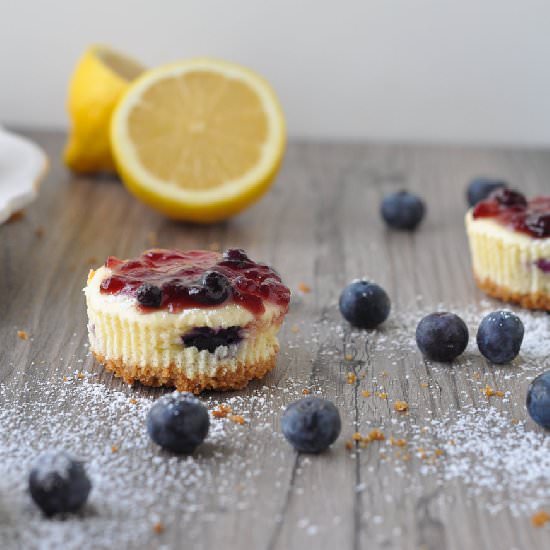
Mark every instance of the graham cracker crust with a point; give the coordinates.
(535, 300)
(172, 376)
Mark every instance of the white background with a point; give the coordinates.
(474, 71)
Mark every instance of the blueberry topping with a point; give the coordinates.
(58, 483)
(538, 399)
(149, 295)
(364, 304)
(402, 210)
(480, 188)
(311, 424)
(178, 422)
(235, 254)
(206, 338)
(538, 224)
(509, 197)
(442, 336)
(499, 336)
(213, 290)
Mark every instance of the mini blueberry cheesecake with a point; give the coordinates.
(195, 320)
(510, 247)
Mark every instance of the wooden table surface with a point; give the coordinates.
(319, 225)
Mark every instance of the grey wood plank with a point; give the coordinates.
(319, 225)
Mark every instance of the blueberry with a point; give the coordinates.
(480, 188)
(402, 210)
(509, 197)
(499, 336)
(58, 483)
(442, 336)
(206, 338)
(364, 304)
(236, 254)
(311, 424)
(538, 399)
(149, 295)
(213, 290)
(538, 224)
(178, 422)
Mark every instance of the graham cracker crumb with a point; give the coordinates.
(397, 442)
(133, 401)
(382, 394)
(80, 375)
(376, 435)
(357, 436)
(302, 287)
(540, 518)
(348, 357)
(351, 378)
(365, 393)
(349, 445)
(114, 448)
(401, 406)
(490, 392)
(222, 411)
(439, 452)
(424, 385)
(22, 335)
(237, 418)
(305, 391)
(158, 527)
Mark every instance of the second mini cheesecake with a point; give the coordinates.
(195, 320)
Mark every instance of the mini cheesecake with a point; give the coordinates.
(510, 247)
(194, 320)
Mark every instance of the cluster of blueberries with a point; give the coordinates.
(443, 336)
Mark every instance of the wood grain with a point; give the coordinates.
(319, 225)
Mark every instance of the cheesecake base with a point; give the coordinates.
(228, 377)
(533, 300)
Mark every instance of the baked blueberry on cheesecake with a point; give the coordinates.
(194, 320)
(510, 246)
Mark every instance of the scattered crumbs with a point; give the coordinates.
(303, 287)
(490, 392)
(305, 391)
(366, 393)
(351, 378)
(539, 519)
(22, 335)
(16, 216)
(397, 442)
(114, 448)
(357, 436)
(382, 394)
(348, 357)
(376, 435)
(158, 527)
(222, 411)
(133, 401)
(424, 385)
(237, 418)
(401, 406)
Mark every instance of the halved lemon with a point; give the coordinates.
(100, 78)
(198, 140)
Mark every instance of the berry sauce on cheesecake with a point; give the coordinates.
(513, 210)
(173, 281)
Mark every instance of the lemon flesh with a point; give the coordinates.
(198, 140)
(101, 77)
